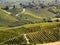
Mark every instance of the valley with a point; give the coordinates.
(29, 23)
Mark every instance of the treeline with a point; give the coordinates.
(7, 7)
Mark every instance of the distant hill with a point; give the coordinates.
(6, 2)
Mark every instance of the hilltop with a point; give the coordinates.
(9, 2)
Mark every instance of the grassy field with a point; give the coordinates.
(6, 16)
(6, 19)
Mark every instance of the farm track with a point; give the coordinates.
(21, 12)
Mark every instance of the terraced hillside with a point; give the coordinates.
(36, 33)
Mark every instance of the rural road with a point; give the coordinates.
(54, 43)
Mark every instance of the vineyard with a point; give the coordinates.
(38, 33)
(29, 24)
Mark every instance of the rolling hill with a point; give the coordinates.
(9, 18)
(36, 33)
(6, 18)
(44, 13)
(36, 13)
(30, 25)
(29, 16)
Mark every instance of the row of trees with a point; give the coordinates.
(50, 20)
(33, 4)
(7, 7)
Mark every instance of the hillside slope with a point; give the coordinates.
(5, 18)
(32, 15)
(9, 18)
(36, 33)
(44, 13)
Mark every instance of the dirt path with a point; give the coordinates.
(21, 12)
(27, 40)
(54, 43)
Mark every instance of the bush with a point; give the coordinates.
(6, 8)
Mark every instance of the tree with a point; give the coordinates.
(33, 1)
(14, 6)
(6, 8)
(49, 20)
(44, 20)
(57, 20)
(42, 5)
(21, 4)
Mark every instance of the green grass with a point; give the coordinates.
(6, 19)
(5, 16)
